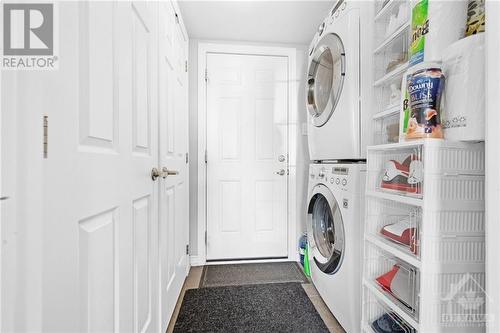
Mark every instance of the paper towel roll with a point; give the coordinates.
(404, 113)
(463, 108)
(435, 25)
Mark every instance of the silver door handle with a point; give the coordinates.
(3, 198)
(164, 173)
(167, 172)
(281, 172)
(155, 173)
(281, 158)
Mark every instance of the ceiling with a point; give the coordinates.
(290, 22)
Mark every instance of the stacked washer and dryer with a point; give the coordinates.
(338, 93)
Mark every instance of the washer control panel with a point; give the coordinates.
(337, 176)
(340, 174)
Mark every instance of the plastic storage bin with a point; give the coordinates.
(448, 172)
(378, 315)
(390, 18)
(395, 278)
(397, 171)
(388, 93)
(392, 55)
(386, 129)
(394, 223)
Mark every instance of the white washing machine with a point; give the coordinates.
(337, 89)
(335, 232)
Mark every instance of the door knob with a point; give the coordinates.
(281, 172)
(281, 158)
(167, 172)
(155, 173)
(164, 173)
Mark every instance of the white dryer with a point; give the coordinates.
(335, 231)
(334, 93)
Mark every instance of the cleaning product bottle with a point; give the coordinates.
(302, 247)
(307, 269)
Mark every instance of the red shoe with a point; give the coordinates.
(396, 176)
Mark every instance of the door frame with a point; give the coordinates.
(492, 47)
(223, 48)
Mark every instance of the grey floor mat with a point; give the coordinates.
(276, 307)
(258, 273)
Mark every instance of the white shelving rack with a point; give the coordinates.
(443, 266)
(391, 39)
(439, 284)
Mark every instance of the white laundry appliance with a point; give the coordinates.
(337, 88)
(335, 229)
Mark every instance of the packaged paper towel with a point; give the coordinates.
(463, 107)
(435, 25)
(404, 115)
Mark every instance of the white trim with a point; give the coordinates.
(290, 53)
(196, 261)
(177, 10)
(492, 165)
(253, 261)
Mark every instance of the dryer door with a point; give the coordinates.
(325, 78)
(325, 230)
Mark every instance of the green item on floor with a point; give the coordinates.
(307, 270)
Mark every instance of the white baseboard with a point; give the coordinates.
(201, 261)
(196, 261)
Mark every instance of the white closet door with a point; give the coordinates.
(100, 244)
(173, 230)
(247, 101)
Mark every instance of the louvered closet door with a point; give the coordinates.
(100, 268)
(247, 101)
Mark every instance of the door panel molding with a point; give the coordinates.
(290, 53)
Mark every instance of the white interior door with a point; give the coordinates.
(100, 223)
(102, 246)
(173, 233)
(247, 101)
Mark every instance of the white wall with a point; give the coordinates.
(302, 154)
(492, 166)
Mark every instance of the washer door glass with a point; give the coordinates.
(325, 78)
(327, 231)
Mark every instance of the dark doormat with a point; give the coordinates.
(278, 307)
(258, 273)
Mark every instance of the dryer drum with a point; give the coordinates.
(325, 78)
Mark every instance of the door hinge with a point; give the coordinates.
(187, 158)
(45, 136)
(206, 75)
(206, 156)
(206, 242)
(187, 248)
(186, 66)
(176, 18)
